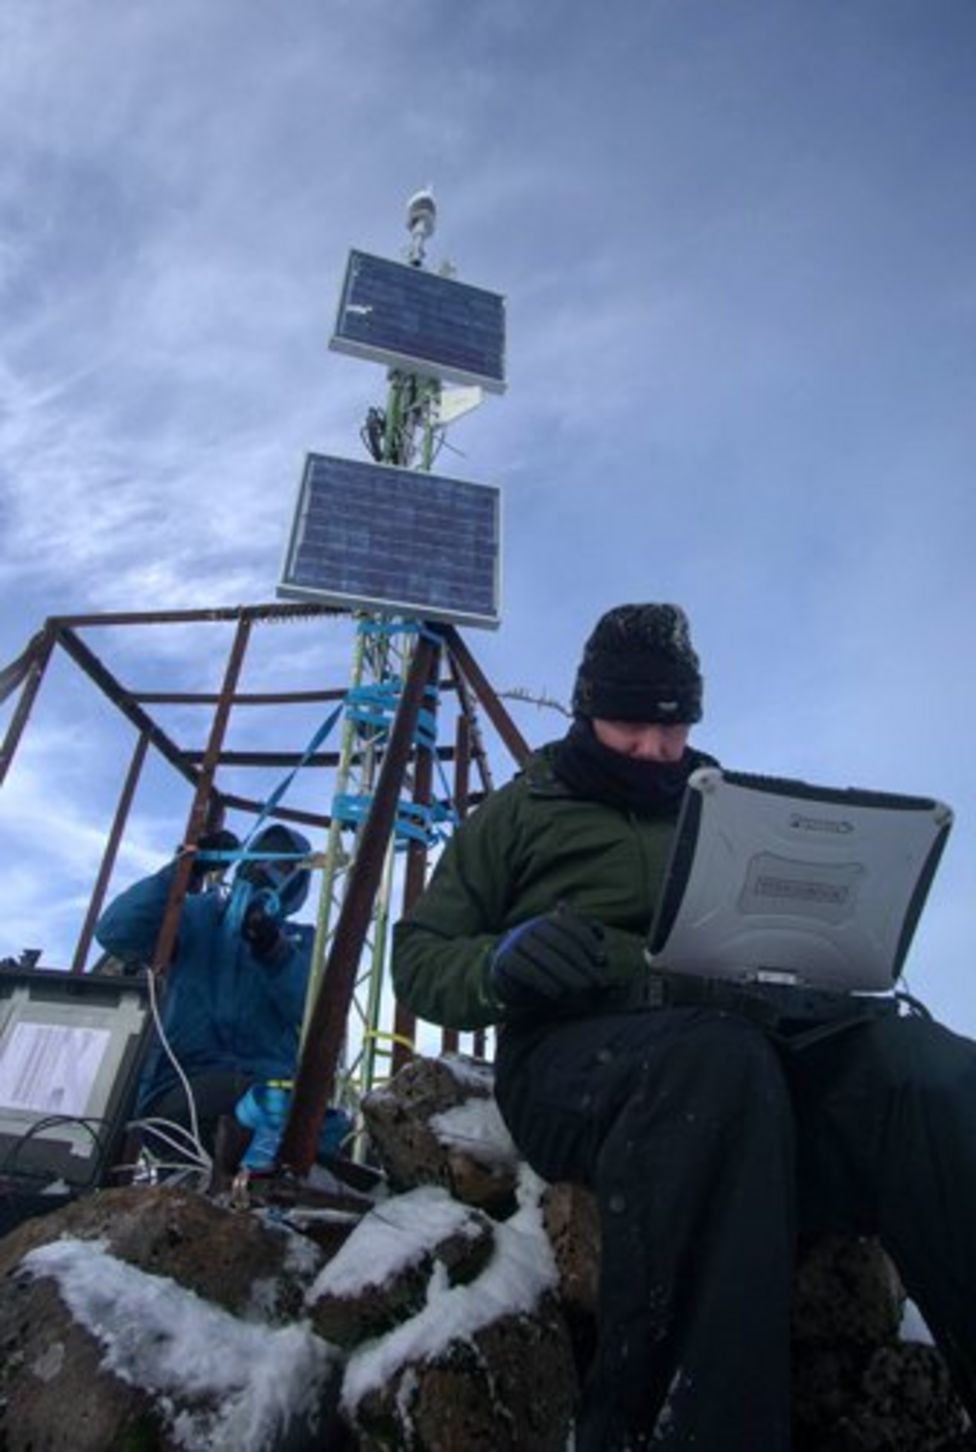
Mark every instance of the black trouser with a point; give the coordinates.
(215, 1093)
(709, 1143)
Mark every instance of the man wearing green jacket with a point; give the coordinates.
(710, 1139)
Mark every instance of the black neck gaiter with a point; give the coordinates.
(594, 771)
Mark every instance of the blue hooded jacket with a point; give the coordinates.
(223, 1008)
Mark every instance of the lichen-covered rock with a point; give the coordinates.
(436, 1123)
(891, 1398)
(484, 1364)
(857, 1387)
(572, 1222)
(381, 1276)
(906, 1401)
(54, 1391)
(234, 1260)
(510, 1387)
(154, 1318)
(847, 1292)
(105, 1346)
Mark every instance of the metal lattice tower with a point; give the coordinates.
(381, 655)
(407, 435)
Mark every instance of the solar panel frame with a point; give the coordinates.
(374, 323)
(378, 599)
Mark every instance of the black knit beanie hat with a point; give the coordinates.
(639, 665)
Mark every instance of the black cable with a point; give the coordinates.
(373, 433)
(48, 1122)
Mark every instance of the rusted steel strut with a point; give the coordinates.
(315, 1082)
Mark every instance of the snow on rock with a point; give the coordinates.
(519, 1273)
(395, 1235)
(430, 1126)
(220, 1383)
(302, 1258)
(477, 1129)
(473, 1076)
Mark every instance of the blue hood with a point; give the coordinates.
(272, 839)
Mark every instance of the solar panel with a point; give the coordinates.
(393, 313)
(377, 537)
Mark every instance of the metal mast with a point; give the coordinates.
(346, 546)
(404, 434)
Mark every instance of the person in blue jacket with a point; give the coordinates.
(235, 987)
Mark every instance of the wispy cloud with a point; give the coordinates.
(738, 253)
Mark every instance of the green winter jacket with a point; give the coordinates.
(528, 846)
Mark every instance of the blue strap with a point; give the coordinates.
(239, 900)
(279, 791)
(238, 855)
(425, 732)
(415, 821)
(376, 705)
(372, 705)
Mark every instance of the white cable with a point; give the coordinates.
(179, 1170)
(191, 1101)
(157, 1123)
(194, 1152)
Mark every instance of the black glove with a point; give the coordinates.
(547, 960)
(222, 841)
(262, 934)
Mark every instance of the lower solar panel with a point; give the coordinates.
(376, 537)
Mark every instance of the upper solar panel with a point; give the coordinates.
(376, 537)
(394, 313)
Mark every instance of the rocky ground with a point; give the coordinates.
(452, 1312)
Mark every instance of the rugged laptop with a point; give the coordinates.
(777, 881)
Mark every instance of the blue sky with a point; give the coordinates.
(738, 243)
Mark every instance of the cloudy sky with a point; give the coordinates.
(738, 243)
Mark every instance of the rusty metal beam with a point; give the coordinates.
(496, 712)
(85, 657)
(14, 674)
(289, 758)
(231, 613)
(243, 698)
(249, 698)
(478, 752)
(450, 1039)
(462, 765)
(27, 671)
(110, 853)
(478, 1043)
(415, 875)
(202, 813)
(314, 1085)
(286, 814)
(266, 758)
